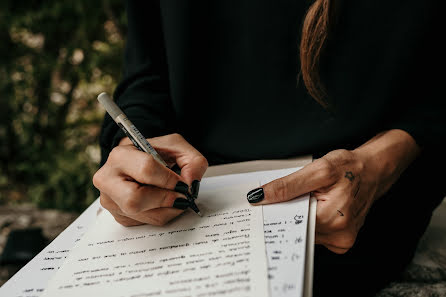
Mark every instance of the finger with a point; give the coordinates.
(329, 217)
(194, 169)
(156, 217)
(335, 228)
(108, 203)
(142, 167)
(314, 176)
(125, 221)
(339, 242)
(175, 148)
(334, 249)
(192, 163)
(132, 198)
(159, 216)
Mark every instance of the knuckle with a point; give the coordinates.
(146, 167)
(349, 157)
(344, 153)
(202, 161)
(104, 202)
(131, 205)
(339, 224)
(322, 221)
(327, 170)
(97, 179)
(115, 154)
(342, 242)
(124, 222)
(176, 137)
(347, 240)
(340, 154)
(359, 165)
(157, 221)
(121, 221)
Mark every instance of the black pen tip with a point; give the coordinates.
(194, 207)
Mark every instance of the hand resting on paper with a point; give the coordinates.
(136, 189)
(345, 183)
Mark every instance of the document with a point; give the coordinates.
(284, 234)
(285, 240)
(221, 254)
(285, 231)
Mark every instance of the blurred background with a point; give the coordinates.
(55, 58)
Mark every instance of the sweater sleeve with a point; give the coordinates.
(143, 93)
(390, 53)
(422, 109)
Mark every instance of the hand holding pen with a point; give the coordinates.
(136, 185)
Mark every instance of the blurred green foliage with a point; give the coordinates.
(55, 58)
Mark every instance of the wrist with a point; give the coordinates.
(386, 156)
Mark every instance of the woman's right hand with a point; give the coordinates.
(137, 189)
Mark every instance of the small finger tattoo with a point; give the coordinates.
(349, 175)
(340, 213)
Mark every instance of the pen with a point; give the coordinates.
(135, 136)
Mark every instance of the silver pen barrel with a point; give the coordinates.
(127, 126)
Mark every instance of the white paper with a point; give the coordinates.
(221, 254)
(285, 237)
(288, 221)
(285, 227)
(33, 278)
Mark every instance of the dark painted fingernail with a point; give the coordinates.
(195, 188)
(255, 195)
(182, 188)
(181, 203)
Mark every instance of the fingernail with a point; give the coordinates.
(255, 195)
(181, 203)
(195, 188)
(182, 188)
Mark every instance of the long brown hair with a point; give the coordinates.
(316, 27)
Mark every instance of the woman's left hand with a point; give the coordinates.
(345, 183)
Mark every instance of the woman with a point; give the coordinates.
(217, 82)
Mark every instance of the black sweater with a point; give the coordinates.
(224, 74)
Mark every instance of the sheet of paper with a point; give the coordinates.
(33, 278)
(221, 254)
(285, 227)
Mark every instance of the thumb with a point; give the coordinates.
(310, 178)
(193, 171)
